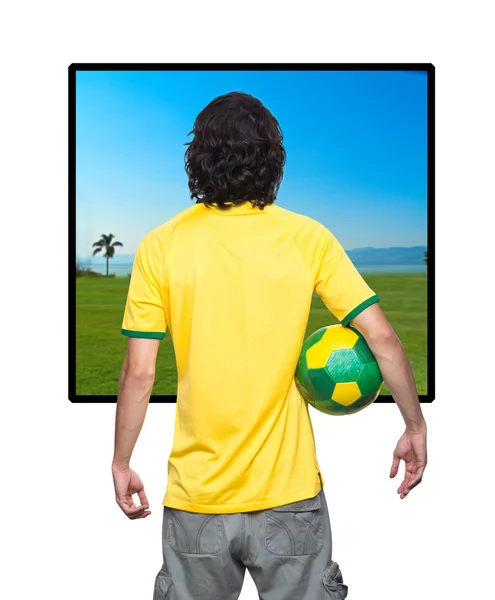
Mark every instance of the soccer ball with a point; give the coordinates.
(337, 373)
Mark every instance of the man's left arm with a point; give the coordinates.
(144, 324)
(136, 383)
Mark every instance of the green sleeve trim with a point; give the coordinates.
(353, 314)
(155, 335)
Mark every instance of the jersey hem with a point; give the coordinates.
(354, 313)
(172, 502)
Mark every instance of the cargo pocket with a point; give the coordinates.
(295, 529)
(163, 586)
(333, 583)
(194, 533)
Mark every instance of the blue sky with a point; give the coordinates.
(356, 147)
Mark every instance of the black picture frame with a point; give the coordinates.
(425, 67)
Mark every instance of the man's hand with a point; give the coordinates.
(411, 448)
(127, 483)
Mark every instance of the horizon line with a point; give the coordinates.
(347, 250)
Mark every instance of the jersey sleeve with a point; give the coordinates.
(144, 314)
(339, 284)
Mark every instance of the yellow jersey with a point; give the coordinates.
(233, 287)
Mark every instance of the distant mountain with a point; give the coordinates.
(387, 256)
(360, 257)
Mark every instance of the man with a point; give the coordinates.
(231, 278)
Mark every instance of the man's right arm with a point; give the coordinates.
(397, 375)
(350, 299)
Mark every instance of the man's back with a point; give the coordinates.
(234, 288)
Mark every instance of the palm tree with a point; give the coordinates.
(426, 258)
(105, 243)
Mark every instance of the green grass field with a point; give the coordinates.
(100, 347)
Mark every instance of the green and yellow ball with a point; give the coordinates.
(337, 373)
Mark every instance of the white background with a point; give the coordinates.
(62, 534)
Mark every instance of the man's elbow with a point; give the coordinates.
(383, 335)
(138, 373)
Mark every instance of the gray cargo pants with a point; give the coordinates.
(287, 551)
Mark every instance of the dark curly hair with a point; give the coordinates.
(236, 154)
